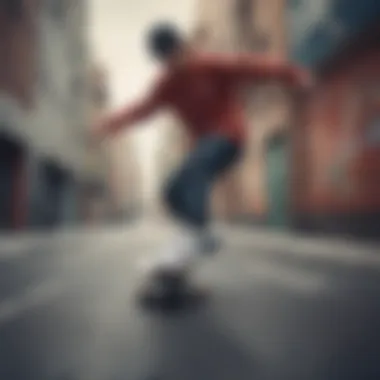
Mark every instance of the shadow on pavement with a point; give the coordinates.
(173, 304)
(191, 343)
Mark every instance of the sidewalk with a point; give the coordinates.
(288, 242)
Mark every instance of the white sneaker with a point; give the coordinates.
(176, 260)
(179, 256)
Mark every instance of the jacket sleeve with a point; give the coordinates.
(251, 67)
(131, 114)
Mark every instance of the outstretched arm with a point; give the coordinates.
(131, 114)
(249, 67)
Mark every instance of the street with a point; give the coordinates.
(277, 307)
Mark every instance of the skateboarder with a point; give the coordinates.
(203, 91)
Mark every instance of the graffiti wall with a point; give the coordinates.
(341, 163)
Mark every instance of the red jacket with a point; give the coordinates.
(203, 93)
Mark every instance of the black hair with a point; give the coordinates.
(163, 40)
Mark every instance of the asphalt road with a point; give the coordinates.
(276, 308)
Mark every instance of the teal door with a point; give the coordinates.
(278, 181)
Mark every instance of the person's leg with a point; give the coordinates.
(187, 193)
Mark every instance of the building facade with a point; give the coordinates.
(60, 93)
(18, 40)
(257, 26)
(42, 111)
(97, 198)
(125, 177)
(336, 150)
(111, 174)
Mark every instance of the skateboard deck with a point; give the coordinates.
(165, 279)
(169, 288)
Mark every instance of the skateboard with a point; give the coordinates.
(167, 288)
(166, 280)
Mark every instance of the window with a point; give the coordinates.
(244, 17)
(247, 33)
(294, 4)
(244, 10)
(14, 8)
(201, 35)
(260, 40)
(372, 135)
(57, 8)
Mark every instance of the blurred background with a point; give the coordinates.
(295, 292)
(310, 163)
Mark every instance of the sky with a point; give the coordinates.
(116, 33)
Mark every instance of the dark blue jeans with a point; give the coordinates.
(188, 190)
